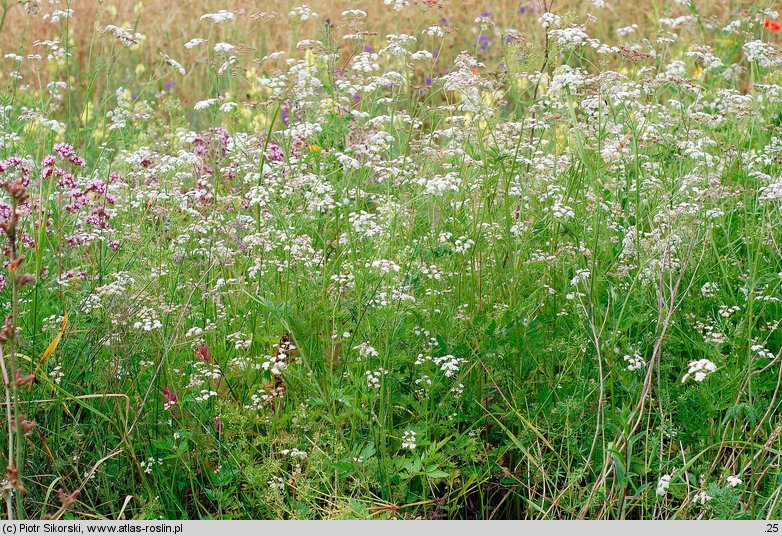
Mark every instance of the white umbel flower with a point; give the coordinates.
(663, 484)
(699, 370)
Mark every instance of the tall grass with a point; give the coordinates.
(524, 266)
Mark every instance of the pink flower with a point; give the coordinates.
(202, 354)
(170, 399)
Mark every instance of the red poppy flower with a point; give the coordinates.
(772, 25)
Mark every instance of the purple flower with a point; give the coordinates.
(369, 49)
(529, 7)
(428, 81)
(169, 85)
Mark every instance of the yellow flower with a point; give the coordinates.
(329, 106)
(314, 148)
(488, 98)
(140, 69)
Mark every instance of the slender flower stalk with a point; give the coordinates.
(13, 376)
(9, 427)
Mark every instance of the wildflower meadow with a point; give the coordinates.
(391, 259)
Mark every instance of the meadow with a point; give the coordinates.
(391, 259)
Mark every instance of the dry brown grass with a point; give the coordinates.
(167, 24)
